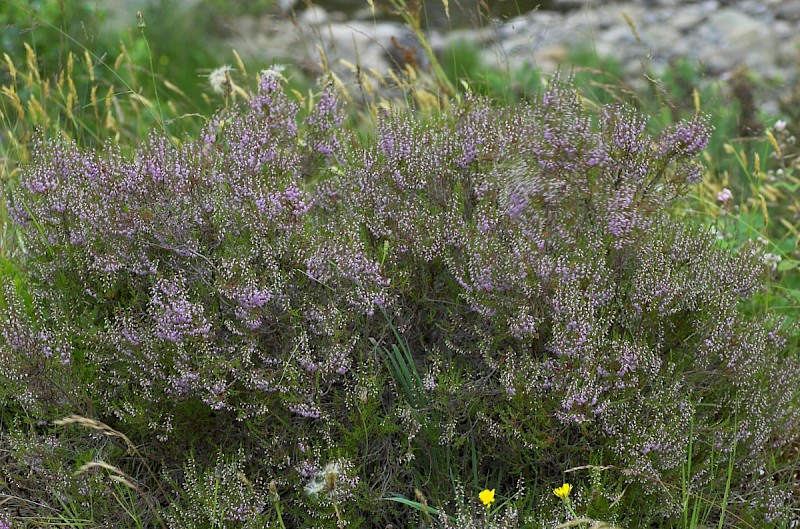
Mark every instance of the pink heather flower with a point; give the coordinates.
(780, 125)
(724, 195)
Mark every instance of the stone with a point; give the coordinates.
(788, 10)
(660, 37)
(480, 37)
(554, 54)
(615, 39)
(684, 20)
(789, 53)
(359, 42)
(709, 6)
(743, 40)
(565, 6)
(721, 34)
(736, 27)
(313, 16)
(286, 5)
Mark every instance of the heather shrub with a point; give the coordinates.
(157, 243)
(219, 497)
(488, 296)
(587, 313)
(89, 97)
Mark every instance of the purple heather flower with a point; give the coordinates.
(687, 138)
(177, 318)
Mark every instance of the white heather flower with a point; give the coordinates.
(220, 80)
(780, 125)
(724, 195)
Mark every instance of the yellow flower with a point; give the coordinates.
(487, 497)
(563, 491)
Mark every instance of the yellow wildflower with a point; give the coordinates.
(487, 497)
(563, 491)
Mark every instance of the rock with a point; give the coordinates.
(784, 32)
(554, 54)
(731, 22)
(359, 42)
(264, 39)
(365, 13)
(685, 19)
(406, 50)
(722, 34)
(565, 6)
(615, 39)
(743, 40)
(286, 5)
(313, 16)
(535, 23)
(788, 10)
(480, 37)
(709, 6)
(788, 54)
(661, 37)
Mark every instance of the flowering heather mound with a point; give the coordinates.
(494, 292)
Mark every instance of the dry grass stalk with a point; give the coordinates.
(99, 427)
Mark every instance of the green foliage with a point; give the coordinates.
(52, 29)
(221, 496)
(241, 7)
(461, 63)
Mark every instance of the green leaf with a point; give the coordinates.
(399, 498)
(787, 185)
(788, 264)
